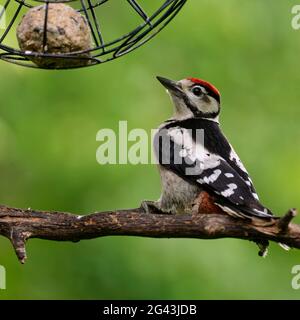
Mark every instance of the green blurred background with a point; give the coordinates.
(48, 125)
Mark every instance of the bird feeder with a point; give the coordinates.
(64, 34)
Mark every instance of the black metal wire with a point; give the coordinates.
(139, 10)
(11, 22)
(2, 12)
(45, 27)
(136, 40)
(101, 51)
(96, 23)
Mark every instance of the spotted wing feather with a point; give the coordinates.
(226, 178)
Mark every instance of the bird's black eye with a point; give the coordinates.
(197, 91)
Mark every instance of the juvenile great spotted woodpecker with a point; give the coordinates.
(202, 174)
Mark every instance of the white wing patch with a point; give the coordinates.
(234, 157)
(255, 195)
(183, 153)
(194, 151)
(212, 178)
(229, 175)
(230, 191)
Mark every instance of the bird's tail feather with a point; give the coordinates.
(245, 212)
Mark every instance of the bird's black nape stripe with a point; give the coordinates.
(196, 112)
(213, 95)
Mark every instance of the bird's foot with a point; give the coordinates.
(263, 248)
(150, 207)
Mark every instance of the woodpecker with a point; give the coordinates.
(202, 174)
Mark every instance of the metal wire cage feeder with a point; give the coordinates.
(102, 50)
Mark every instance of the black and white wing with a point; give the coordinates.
(176, 149)
(234, 161)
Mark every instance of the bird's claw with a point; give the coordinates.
(150, 206)
(263, 248)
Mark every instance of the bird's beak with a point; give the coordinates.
(170, 85)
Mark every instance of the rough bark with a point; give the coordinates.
(20, 225)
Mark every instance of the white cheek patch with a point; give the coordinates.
(214, 105)
(211, 106)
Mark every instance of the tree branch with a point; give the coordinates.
(20, 225)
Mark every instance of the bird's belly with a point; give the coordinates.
(178, 195)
